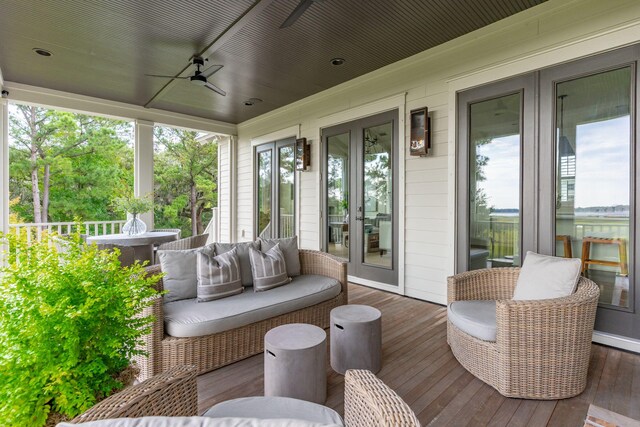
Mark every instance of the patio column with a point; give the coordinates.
(4, 165)
(143, 165)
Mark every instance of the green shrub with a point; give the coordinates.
(68, 325)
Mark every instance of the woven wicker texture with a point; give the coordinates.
(542, 347)
(214, 351)
(170, 230)
(173, 394)
(368, 402)
(187, 243)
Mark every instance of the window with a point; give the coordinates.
(275, 189)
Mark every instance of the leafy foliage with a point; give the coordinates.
(186, 175)
(133, 205)
(69, 321)
(65, 165)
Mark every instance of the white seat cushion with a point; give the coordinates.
(544, 277)
(272, 407)
(476, 318)
(198, 422)
(189, 318)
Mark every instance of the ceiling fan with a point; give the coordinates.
(199, 77)
(298, 11)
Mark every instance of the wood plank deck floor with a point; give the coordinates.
(419, 366)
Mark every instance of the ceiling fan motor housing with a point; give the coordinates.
(198, 79)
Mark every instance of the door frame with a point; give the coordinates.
(274, 147)
(524, 85)
(609, 319)
(614, 326)
(360, 270)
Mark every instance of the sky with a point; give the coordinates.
(602, 166)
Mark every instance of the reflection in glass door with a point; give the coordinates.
(377, 209)
(494, 182)
(338, 194)
(286, 191)
(593, 178)
(264, 190)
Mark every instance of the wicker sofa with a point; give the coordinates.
(368, 402)
(542, 347)
(219, 349)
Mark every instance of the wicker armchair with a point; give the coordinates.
(542, 347)
(171, 230)
(186, 243)
(368, 402)
(192, 242)
(173, 393)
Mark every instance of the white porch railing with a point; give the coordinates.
(92, 228)
(212, 228)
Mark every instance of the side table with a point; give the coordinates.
(356, 338)
(295, 362)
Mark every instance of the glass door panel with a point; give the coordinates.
(338, 195)
(286, 191)
(593, 178)
(494, 182)
(264, 193)
(377, 215)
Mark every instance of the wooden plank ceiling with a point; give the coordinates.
(104, 48)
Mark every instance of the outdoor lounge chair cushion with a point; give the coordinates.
(179, 268)
(218, 276)
(274, 407)
(198, 422)
(545, 277)
(269, 268)
(476, 318)
(243, 255)
(289, 247)
(188, 318)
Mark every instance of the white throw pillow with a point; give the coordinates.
(544, 277)
(269, 268)
(218, 276)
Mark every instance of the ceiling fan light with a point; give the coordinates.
(199, 80)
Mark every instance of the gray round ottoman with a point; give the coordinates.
(356, 338)
(295, 362)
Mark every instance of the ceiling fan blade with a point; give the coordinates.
(165, 77)
(212, 70)
(215, 88)
(297, 13)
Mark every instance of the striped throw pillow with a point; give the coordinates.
(269, 268)
(218, 276)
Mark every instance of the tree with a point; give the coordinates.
(186, 176)
(67, 165)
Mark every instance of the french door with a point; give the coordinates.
(275, 189)
(361, 197)
(547, 162)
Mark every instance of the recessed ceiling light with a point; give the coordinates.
(337, 61)
(42, 52)
(252, 101)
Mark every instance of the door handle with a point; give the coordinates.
(359, 218)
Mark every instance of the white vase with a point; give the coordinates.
(134, 226)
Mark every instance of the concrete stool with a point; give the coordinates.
(295, 362)
(356, 338)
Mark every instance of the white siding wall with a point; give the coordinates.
(551, 33)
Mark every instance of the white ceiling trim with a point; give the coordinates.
(72, 102)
